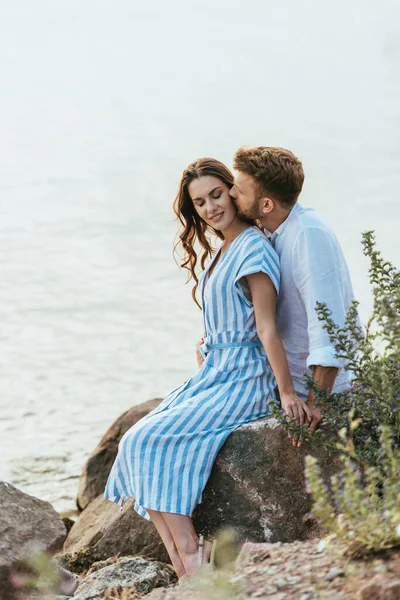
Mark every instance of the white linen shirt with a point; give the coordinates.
(313, 268)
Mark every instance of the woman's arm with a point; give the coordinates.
(263, 296)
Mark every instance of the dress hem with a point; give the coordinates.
(140, 509)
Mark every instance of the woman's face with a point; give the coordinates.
(211, 200)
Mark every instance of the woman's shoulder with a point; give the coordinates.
(256, 254)
(256, 233)
(255, 240)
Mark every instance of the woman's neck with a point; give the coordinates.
(234, 229)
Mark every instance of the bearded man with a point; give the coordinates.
(268, 183)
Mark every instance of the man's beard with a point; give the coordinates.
(253, 212)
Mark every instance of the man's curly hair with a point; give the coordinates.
(277, 172)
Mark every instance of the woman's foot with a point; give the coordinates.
(207, 551)
(192, 550)
(194, 561)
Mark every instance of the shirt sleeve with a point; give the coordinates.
(319, 272)
(258, 256)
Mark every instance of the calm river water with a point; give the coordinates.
(102, 105)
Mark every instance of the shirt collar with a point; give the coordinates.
(281, 228)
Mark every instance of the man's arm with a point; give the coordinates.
(324, 377)
(320, 274)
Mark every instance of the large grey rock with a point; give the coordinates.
(128, 575)
(103, 531)
(257, 486)
(27, 526)
(98, 466)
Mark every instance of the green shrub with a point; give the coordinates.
(367, 501)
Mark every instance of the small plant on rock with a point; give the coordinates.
(368, 500)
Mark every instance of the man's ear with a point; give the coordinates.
(267, 205)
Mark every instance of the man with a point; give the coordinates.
(268, 182)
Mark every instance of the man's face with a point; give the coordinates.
(244, 193)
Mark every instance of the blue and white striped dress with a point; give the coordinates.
(165, 460)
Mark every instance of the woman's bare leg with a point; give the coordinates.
(168, 541)
(186, 541)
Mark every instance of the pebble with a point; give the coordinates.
(333, 573)
(268, 590)
(306, 595)
(380, 568)
(293, 579)
(251, 570)
(271, 571)
(281, 582)
(321, 546)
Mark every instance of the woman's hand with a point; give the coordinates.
(298, 410)
(295, 408)
(199, 355)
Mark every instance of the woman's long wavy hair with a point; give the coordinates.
(193, 227)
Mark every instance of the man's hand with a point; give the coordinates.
(295, 408)
(199, 355)
(324, 377)
(316, 416)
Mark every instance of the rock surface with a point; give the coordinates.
(182, 593)
(129, 575)
(99, 463)
(381, 587)
(257, 486)
(296, 571)
(27, 525)
(103, 531)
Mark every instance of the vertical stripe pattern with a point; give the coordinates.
(165, 460)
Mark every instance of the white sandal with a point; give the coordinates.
(189, 578)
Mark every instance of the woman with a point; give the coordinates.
(165, 459)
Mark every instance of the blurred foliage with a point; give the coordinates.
(41, 577)
(362, 508)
